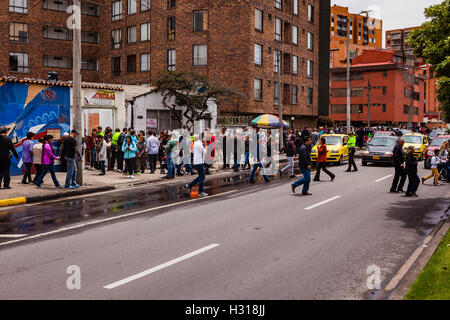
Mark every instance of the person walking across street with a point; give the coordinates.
(411, 171)
(400, 174)
(351, 146)
(305, 167)
(37, 159)
(6, 146)
(258, 153)
(71, 153)
(129, 149)
(199, 160)
(48, 159)
(101, 149)
(435, 161)
(290, 154)
(153, 150)
(27, 157)
(322, 160)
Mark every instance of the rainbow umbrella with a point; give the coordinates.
(268, 120)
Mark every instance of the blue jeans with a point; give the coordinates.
(102, 166)
(247, 159)
(263, 171)
(200, 179)
(47, 168)
(170, 165)
(304, 181)
(71, 177)
(92, 157)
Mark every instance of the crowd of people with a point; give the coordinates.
(180, 153)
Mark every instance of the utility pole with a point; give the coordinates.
(76, 99)
(368, 102)
(348, 77)
(281, 129)
(412, 96)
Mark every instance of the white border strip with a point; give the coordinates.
(13, 235)
(381, 179)
(321, 203)
(161, 266)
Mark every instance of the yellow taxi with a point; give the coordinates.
(336, 148)
(418, 141)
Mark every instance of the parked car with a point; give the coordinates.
(436, 143)
(436, 133)
(336, 148)
(379, 150)
(419, 141)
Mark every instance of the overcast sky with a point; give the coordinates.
(394, 13)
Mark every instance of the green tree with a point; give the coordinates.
(432, 42)
(191, 91)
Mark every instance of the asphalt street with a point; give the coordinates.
(245, 242)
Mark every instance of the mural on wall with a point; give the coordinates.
(33, 107)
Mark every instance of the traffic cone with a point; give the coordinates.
(194, 192)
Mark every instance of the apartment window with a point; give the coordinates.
(294, 93)
(257, 89)
(276, 61)
(171, 28)
(59, 5)
(171, 57)
(116, 66)
(18, 32)
(383, 108)
(117, 10)
(131, 63)
(145, 84)
(277, 4)
(385, 74)
(131, 34)
(90, 9)
(145, 62)
(170, 3)
(294, 65)
(310, 13)
(200, 55)
(57, 62)
(258, 54)
(276, 93)
(20, 6)
(309, 97)
(277, 29)
(294, 34)
(384, 90)
(200, 21)
(90, 64)
(116, 39)
(132, 6)
(57, 33)
(18, 62)
(89, 37)
(259, 16)
(310, 41)
(145, 31)
(309, 69)
(145, 5)
(295, 7)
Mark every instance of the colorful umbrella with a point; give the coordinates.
(268, 120)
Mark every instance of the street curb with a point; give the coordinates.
(33, 199)
(405, 284)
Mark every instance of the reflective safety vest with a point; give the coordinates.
(115, 138)
(351, 142)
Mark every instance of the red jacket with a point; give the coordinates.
(322, 153)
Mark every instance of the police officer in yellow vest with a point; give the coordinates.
(351, 144)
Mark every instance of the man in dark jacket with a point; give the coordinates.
(399, 160)
(71, 154)
(305, 167)
(6, 146)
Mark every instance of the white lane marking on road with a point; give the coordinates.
(381, 179)
(111, 218)
(13, 235)
(321, 203)
(161, 266)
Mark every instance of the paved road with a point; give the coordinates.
(252, 242)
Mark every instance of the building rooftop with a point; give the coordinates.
(91, 85)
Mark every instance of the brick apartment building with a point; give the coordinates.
(396, 40)
(390, 95)
(240, 43)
